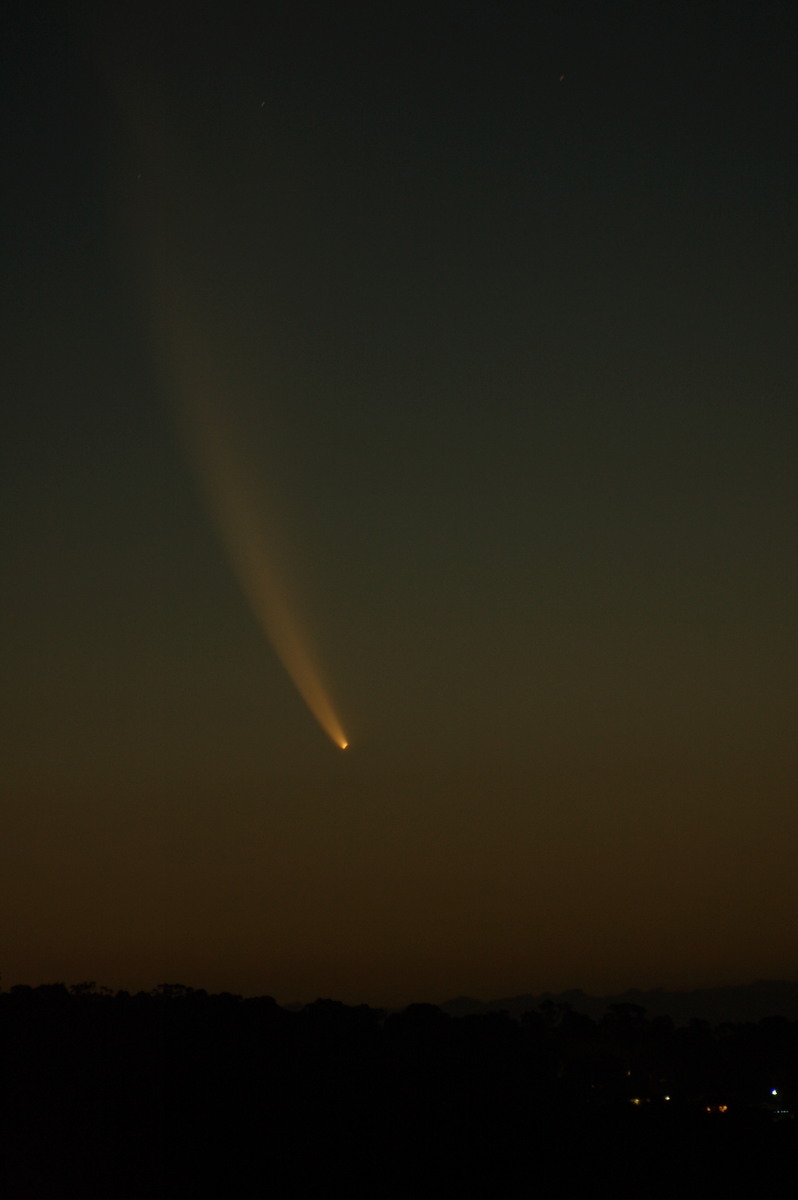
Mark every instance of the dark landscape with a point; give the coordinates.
(178, 1093)
(719, 1005)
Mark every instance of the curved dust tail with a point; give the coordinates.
(236, 504)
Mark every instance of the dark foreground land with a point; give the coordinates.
(180, 1093)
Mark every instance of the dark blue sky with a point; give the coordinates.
(500, 306)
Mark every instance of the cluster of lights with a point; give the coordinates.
(710, 1108)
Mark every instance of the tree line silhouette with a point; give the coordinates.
(177, 1091)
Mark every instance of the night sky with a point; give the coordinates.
(465, 335)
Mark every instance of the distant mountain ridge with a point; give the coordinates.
(734, 1003)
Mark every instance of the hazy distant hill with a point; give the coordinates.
(744, 1002)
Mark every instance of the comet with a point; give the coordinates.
(205, 390)
(236, 501)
